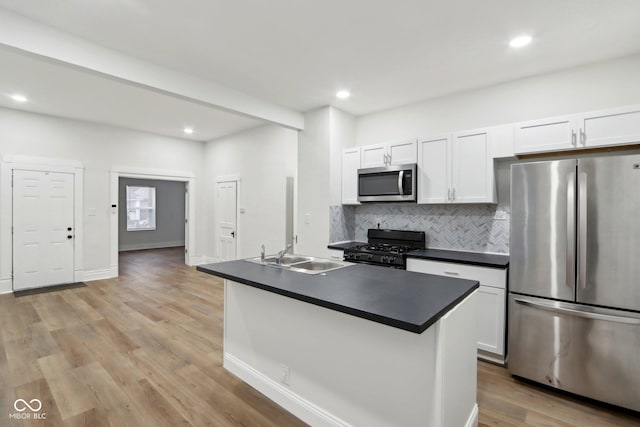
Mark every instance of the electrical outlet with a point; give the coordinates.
(285, 374)
(500, 216)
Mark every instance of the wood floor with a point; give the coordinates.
(146, 350)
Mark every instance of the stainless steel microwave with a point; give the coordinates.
(387, 184)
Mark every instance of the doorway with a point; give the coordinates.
(43, 229)
(189, 181)
(227, 219)
(152, 214)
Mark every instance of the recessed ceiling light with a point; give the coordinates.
(520, 41)
(188, 131)
(19, 98)
(343, 94)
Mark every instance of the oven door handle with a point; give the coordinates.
(400, 183)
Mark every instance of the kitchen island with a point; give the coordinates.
(361, 345)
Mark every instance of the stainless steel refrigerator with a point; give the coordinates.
(574, 280)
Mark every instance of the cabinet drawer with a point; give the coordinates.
(487, 276)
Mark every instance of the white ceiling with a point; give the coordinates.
(57, 89)
(297, 53)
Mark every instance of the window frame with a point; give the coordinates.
(152, 208)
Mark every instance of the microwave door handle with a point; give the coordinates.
(400, 184)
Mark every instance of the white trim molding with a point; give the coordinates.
(101, 274)
(228, 178)
(153, 245)
(300, 407)
(6, 286)
(199, 260)
(7, 166)
(187, 177)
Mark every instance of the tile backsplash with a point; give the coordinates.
(457, 227)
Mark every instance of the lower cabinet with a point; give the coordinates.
(336, 254)
(491, 313)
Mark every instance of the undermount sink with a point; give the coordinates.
(301, 264)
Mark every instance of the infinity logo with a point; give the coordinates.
(26, 405)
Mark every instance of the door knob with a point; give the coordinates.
(233, 234)
(69, 228)
(69, 236)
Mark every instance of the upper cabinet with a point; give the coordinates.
(604, 128)
(350, 166)
(396, 153)
(472, 168)
(456, 168)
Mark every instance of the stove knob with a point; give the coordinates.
(357, 256)
(370, 257)
(391, 259)
(383, 259)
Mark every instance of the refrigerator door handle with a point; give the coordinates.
(571, 230)
(578, 311)
(582, 229)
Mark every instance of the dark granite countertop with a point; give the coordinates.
(472, 258)
(345, 245)
(460, 257)
(397, 298)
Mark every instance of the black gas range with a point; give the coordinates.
(387, 248)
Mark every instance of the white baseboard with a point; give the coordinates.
(199, 260)
(6, 286)
(101, 274)
(158, 245)
(472, 421)
(491, 357)
(283, 396)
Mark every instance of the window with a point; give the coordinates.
(141, 208)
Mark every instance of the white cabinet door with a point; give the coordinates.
(538, 136)
(491, 319)
(373, 156)
(433, 169)
(350, 166)
(472, 168)
(610, 127)
(336, 254)
(491, 302)
(402, 153)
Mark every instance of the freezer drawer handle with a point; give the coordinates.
(563, 308)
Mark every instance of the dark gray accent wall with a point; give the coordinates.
(170, 216)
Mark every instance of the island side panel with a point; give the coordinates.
(457, 359)
(343, 370)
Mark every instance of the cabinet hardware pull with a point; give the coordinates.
(573, 137)
(583, 137)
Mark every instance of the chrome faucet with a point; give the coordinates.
(282, 253)
(262, 254)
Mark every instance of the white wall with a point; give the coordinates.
(343, 135)
(592, 87)
(99, 148)
(312, 226)
(170, 216)
(263, 158)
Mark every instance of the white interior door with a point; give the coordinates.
(227, 221)
(186, 225)
(43, 229)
